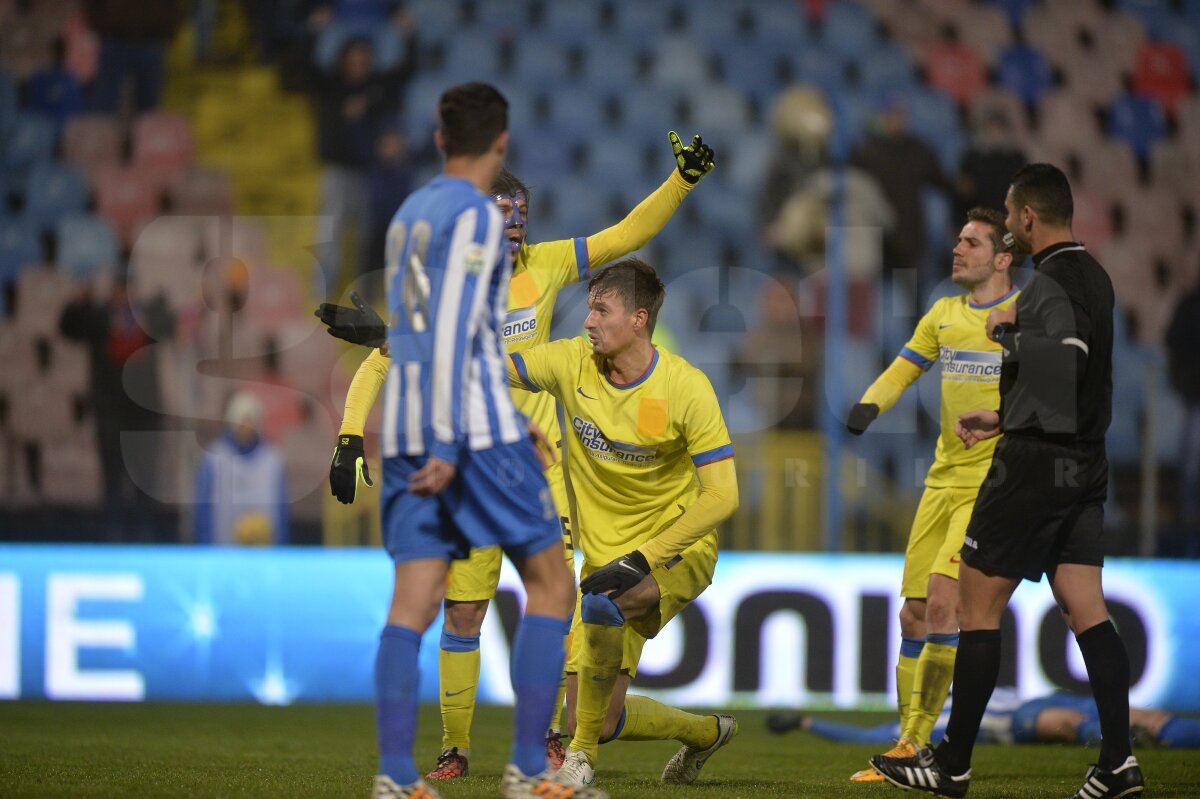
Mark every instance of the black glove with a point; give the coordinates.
(694, 161)
(861, 416)
(348, 466)
(617, 576)
(358, 325)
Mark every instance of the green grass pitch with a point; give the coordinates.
(101, 750)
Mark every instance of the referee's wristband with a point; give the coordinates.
(1002, 331)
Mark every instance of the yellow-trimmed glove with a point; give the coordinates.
(694, 161)
(349, 465)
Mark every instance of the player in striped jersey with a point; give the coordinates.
(460, 470)
(540, 271)
(954, 332)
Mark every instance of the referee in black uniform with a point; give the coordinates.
(1041, 508)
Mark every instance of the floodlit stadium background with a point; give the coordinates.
(205, 182)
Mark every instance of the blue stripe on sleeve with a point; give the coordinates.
(582, 264)
(713, 455)
(523, 371)
(914, 356)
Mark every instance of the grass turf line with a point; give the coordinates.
(118, 750)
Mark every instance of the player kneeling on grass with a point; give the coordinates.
(651, 466)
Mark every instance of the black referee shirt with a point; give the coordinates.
(1056, 375)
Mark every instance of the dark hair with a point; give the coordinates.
(995, 220)
(636, 283)
(471, 116)
(1045, 189)
(508, 183)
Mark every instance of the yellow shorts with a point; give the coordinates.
(475, 578)
(936, 538)
(680, 581)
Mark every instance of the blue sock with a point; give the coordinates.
(396, 674)
(1180, 733)
(537, 664)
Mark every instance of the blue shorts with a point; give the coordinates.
(1024, 722)
(499, 497)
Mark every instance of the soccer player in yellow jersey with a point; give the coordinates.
(652, 475)
(539, 272)
(954, 332)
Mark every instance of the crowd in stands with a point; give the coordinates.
(130, 313)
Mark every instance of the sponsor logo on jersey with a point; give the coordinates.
(970, 366)
(601, 447)
(520, 325)
(474, 259)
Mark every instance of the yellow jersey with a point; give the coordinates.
(954, 333)
(632, 450)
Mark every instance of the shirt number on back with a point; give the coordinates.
(416, 288)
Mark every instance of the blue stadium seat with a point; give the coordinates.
(1156, 15)
(542, 156)
(778, 20)
(30, 142)
(1015, 9)
(19, 248)
(369, 12)
(822, 68)
(648, 112)
(55, 93)
(934, 117)
(1138, 121)
(616, 159)
(388, 47)
(755, 69)
(8, 103)
(541, 61)
(1024, 71)
(52, 192)
(87, 244)
(719, 112)
(471, 55)
(437, 20)
(887, 68)
(579, 115)
(610, 62)
(572, 20)
(849, 30)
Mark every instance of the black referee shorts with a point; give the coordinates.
(1042, 504)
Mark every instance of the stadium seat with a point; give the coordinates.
(1092, 221)
(275, 297)
(1156, 15)
(8, 103)
(679, 62)
(386, 46)
(542, 156)
(127, 198)
(721, 113)
(1064, 121)
(648, 112)
(1014, 9)
(82, 48)
(571, 20)
(53, 191)
(87, 244)
(580, 115)
(988, 33)
(1091, 78)
(1162, 74)
(30, 142)
(41, 288)
(71, 472)
(19, 247)
(56, 93)
(848, 29)
(26, 45)
(201, 190)
(92, 142)
(822, 68)
(955, 70)
(1175, 168)
(1001, 102)
(541, 62)
(887, 68)
(1139, 121)
(470, 55)
(162, 145)
(1109, 168)
(609, 61)
(1024, 71)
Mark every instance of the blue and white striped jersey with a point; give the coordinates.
(447, 284)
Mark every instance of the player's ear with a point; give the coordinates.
(500, 146)
(439, 140)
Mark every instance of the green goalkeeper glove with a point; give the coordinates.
(358, 325)
(348, 467)
(694, 161)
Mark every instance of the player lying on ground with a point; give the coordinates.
(954, 332)
(652, 473)
(540, 271)
(1061, 717)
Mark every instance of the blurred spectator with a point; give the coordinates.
(1183, 344)
(125, 396)
(988, 165)
(133, 44)
(802, 122)
(388, 183)
(904, 166)
(241, 486)
(350, 106)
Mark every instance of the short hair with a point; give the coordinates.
(1045, 189)
(471, 116)
(995, 220)
(508, 183)
(636, 283)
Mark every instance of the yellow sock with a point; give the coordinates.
(906, 672)
(458, 670)
(598, 669)
(556, 719)
(935, 672)
(647, 720)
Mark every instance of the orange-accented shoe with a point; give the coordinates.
(556, 753)
(450, 765)
(903, 748)
(867, 775)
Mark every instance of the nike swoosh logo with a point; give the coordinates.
(943, 327)
(580, 392)
(456, 693)
(598, 678)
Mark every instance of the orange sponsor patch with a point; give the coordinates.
(652, 417)
(522, 291)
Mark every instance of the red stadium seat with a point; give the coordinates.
(127, 198)
(955, 69)
(92, 142)
(162, 145)
(1162, 73)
